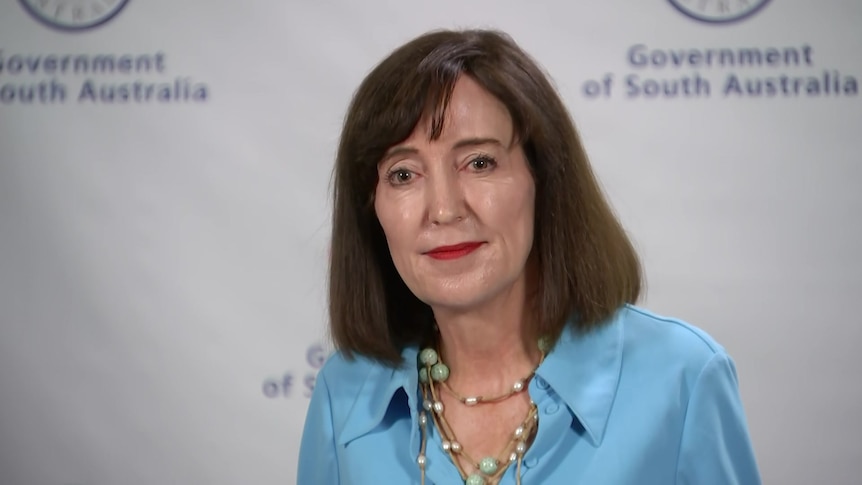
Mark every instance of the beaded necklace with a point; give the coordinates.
(434, 373)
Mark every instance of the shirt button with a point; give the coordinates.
(531, 462)
(551, 408)
(541, 383)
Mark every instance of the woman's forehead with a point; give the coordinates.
(471, 113)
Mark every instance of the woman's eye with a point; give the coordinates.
(482, 163)
(399, 176)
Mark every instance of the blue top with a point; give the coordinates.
(642, 399)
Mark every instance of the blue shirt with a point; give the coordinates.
(642, 399)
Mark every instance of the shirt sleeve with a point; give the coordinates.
(716, 448)
(318, 461)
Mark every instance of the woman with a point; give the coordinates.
(481, 299)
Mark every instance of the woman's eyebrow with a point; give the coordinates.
(469, 142)
(465, 142)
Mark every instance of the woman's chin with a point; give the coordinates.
(461, 301)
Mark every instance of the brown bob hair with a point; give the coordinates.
(587, 267)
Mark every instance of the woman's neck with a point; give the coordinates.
(487, 349)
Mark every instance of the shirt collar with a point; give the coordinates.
(583, 369)
(377, 392)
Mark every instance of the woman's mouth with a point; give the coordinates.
(453, 252)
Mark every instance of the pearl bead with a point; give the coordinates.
(428, 356)
(520, 448)
(426, 404)
(488, 465)
(471, 401)
(446, 445)
(456, 447)
(513, 457)
(421, 460)
(439, 372)
(423, 419)
(423, 375)
(438, 407)
(475, 479)
(518, 386)
(519, 431)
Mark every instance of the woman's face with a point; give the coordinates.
(458, 211)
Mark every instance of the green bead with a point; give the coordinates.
(475, 479)
(423, 375)
(488, 465)
(428, 357)
(439, 372)
(545, 344)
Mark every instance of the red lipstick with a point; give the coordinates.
(455, 251)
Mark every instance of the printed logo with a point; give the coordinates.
(73, 15)
(284, 386)
(718, 11)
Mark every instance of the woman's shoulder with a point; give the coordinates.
(668, 331)
(346, 375)
(342, 369)
(357, 391)
(662, 341)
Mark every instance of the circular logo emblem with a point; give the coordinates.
(73, 14)
(718, 11)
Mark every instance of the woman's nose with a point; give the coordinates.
(446, 202)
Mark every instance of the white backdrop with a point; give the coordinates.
(163, 254)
